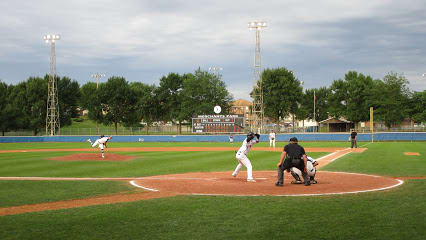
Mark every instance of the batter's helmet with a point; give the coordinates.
(250, 136)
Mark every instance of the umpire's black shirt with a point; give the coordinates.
(294, 150)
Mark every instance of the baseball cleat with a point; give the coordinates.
(308, 183)
(296, 182)
(314, 181)
(278, 184)
(234, 174)
(251, 180)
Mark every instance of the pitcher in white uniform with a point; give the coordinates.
(101, 142)
(241, 156)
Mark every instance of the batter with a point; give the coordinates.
(241, 156)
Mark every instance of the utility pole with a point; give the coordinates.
(52, 119)
(257, 108)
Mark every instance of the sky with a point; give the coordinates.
(143, 40)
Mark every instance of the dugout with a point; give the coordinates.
(337, 125)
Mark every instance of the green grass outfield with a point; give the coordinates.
(394, 214)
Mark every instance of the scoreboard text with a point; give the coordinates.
(218, 124)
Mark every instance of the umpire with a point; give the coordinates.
(293, 154)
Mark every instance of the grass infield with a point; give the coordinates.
(393, 214)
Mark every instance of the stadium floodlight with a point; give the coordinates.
(98, 76)
(424, 75)
(215, 69)
(258, 108)
(51, 38)
(257, 25)
(52, 118)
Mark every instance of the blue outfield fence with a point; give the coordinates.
(397, 136)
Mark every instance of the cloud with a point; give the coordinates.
(320, 40)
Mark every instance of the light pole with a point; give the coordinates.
(215, 69)
(257, 110)
(98, 76)
(52, 118)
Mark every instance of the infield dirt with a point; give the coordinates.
(212, 183)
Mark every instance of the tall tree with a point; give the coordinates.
(321, 104)
(170, 98)
(68, 97)
(4, 118)
(350, 97)
(90, 100)
(16, 106)
(202, 91)
(390, 99)
(417, 107)
(147, 104)
(117, 101)
(35, 105)
(282, 93)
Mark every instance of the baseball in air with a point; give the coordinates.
(217, 109)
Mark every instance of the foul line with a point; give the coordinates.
(400, 182)
(139, 186)
(365, 144)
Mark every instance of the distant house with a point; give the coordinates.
(337, 125)
(242, 107)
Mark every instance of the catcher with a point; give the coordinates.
(311, 167)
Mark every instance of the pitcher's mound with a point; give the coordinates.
(412, 153)
(222, 183)
(112, 157)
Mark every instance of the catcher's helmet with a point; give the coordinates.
(293, 139)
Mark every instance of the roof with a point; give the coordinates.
(335, 120)
(241, 102)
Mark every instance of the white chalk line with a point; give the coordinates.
(308, 194)
(139, 186)
(365, 144)
(64, 178)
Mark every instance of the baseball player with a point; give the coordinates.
(231, 139)
(293, 155)
(102, 141)
(311, 167)
(241, 155)
(272, 139)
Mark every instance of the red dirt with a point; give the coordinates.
(174, 149)
(215, 183)
(109, 157)
(412, 153)
(221, 183)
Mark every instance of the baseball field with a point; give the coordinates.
(185, 191)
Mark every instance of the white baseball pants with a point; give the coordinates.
(272, 143)
(243, 160)
(101, 145)
(310, 168)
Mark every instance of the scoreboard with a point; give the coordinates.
(218, 123)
